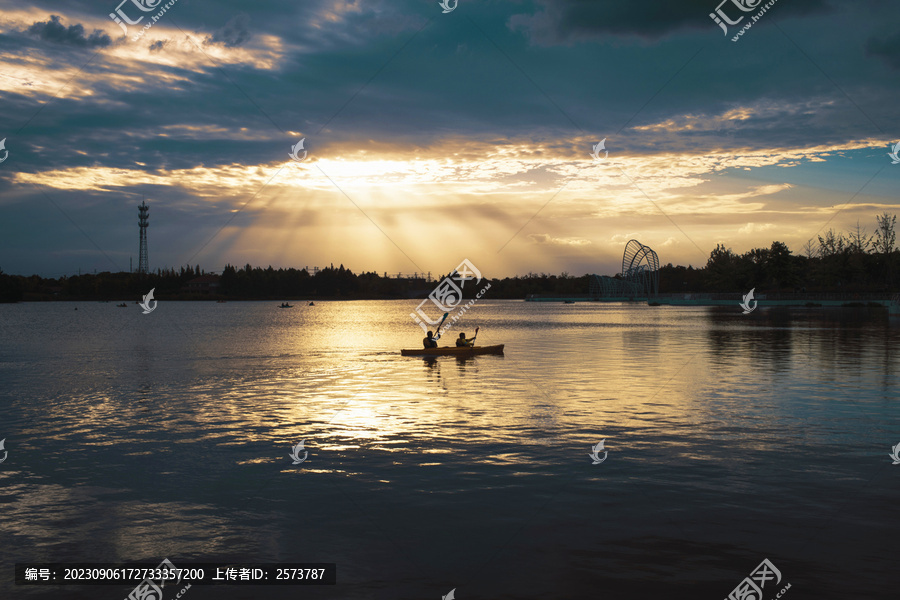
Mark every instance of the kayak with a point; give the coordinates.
(454, 351)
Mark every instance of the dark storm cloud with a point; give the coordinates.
(54, 31)
(567, 21)
(234, 33)
(181, 117)
(887, 49)
(430, 89)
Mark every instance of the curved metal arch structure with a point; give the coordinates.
(640, 266)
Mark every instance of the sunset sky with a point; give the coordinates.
(436, 137)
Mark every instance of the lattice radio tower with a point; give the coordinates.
(143, 221)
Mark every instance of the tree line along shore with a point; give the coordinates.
(850, 262)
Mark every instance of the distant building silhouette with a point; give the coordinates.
(205, 284)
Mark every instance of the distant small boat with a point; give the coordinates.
(286, 305)
(454, 351)
(568, 302)
(311, 304)
(123, 305)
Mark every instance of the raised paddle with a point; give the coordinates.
(437, 331)
(476, 335)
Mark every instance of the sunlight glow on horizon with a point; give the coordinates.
(438, 209)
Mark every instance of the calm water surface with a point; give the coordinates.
(731, 439)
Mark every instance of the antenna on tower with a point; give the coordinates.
(143, 222)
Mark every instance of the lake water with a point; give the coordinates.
(731, 438)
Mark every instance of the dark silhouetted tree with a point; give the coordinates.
(885, 238)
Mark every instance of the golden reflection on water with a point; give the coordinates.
(224, 390)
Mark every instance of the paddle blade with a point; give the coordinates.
(437, 332)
